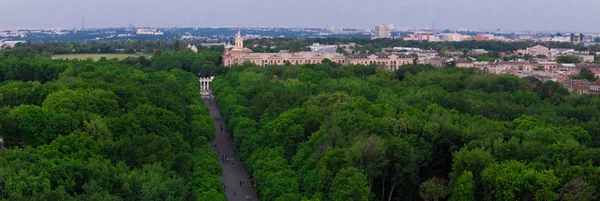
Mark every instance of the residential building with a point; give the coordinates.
(577, 86)
(316, 47)
(585, 58)
(435, 61)
(485, 37)
(381, 31)
(453, 37)
(454, 53)
(538, 50)
(477, 52)
(548, 66)
(463, 63)
(422, 36)
(148, 32)
(409, 51)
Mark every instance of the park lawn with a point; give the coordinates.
(96, 57)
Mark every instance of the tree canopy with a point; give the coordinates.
(319, 132)
(129, 129)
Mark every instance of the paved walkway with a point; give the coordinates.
(234, 171)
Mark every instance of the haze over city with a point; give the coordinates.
(525, 15)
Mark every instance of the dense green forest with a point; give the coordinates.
(132, 129)
(128, 46)
(323, 132)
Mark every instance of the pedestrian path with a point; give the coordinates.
(236, 181)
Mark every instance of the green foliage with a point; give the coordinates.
(433, 189)
(401, 135)
(464, 188)
(105, 130)
(349, 184)
(512, 180)
(586, 74)
(568, 59)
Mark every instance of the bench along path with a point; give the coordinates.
(234, 171)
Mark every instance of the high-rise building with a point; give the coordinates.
(381, 31)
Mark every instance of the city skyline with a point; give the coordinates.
(513, 15)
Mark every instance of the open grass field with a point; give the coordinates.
(96, 57)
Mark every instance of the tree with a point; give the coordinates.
(369, 155)
(176, 45)
(433, 189)
(568, 59)
(349, 184)
(586, 74)
(402, 169)
(464, 188)
(577, 189)
(512, 180)
(474, 161)
(107, 122)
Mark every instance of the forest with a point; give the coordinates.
(325, 132)
(131, 129)
(47, 48)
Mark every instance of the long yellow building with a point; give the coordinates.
(238, 55)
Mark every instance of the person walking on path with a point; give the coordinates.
(224, 140)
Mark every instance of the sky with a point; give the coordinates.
(517, 15)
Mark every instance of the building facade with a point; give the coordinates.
(538, 50)
(238, 54)
(381, 31)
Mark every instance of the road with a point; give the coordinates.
(234, 171)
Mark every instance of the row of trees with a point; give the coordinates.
(125, 46)
(323, 132)
(134, 129)
(25, 64)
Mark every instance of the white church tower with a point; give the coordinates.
(239, 41)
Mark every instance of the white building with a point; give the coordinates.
(149, 32)
(381, 31)
(316, 47)
(193, 48)
(561, 39)
(407, 49)
(538, 50)
(585, 58)
(11, 43)
(453, 37)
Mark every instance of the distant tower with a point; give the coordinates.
(82, 23)
(239, 41)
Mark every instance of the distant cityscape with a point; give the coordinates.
(11, 36)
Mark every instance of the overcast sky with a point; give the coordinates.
(533, 15)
